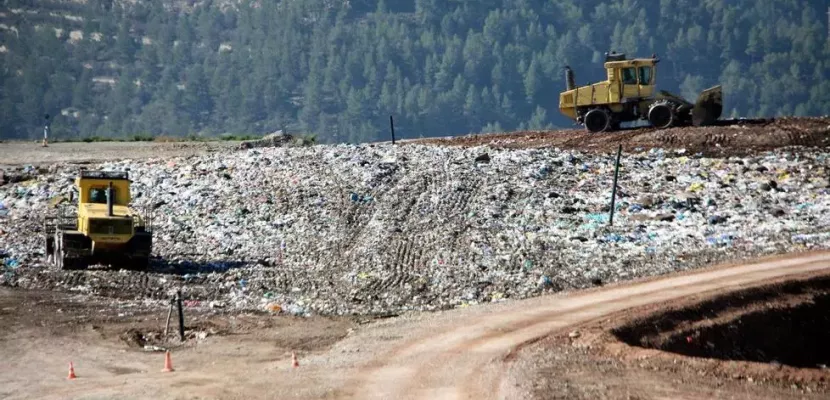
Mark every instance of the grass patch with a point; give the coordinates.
(309, 139)
(239, 138)
(142, 138)
(91, 139)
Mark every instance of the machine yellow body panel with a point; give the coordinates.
(115, 229)
(629, 93)
(104, 229)
(638, 83)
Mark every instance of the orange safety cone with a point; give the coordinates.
(168, 362)
(294, 362)
(71, 371)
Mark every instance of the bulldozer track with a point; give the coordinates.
(801, 137)
(712, 139)
(408, 255)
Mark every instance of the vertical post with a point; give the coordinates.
(167, 325)
(392, 128)
(110, 199)
(614, 189)
(181, 314)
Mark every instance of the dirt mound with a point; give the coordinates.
(785, 325)
(729, 137)
(776, 332)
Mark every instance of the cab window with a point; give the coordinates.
(645, 75)
(629, 76)
(99, 195)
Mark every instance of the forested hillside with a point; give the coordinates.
(340, 68)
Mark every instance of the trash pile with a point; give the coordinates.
(374, 228)
(276, 139)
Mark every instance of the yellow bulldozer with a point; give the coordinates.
(100, 228)
(628, 94)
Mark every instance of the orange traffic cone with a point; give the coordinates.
(168, 362)
(71, 371)
(294, 362)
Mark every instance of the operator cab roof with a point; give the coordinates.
(109, 175)
(618, 60)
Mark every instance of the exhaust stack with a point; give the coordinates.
(570, 82)
(109, 200)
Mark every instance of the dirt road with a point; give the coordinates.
(457, 354)
(465, 358)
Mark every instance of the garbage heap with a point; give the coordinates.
(382, 229)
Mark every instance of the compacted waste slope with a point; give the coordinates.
(378, 228)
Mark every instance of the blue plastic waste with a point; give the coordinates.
(597, 217)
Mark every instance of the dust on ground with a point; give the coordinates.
(110, 343)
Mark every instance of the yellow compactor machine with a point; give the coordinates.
(101, 228)
(628, 94)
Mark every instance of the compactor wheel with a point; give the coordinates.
(57, 253)
(61, 260)
(50, 247)
(661, 115)
(597, 120)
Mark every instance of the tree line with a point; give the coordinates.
(339, 69)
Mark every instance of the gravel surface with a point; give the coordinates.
(375, 229)
(31, 153)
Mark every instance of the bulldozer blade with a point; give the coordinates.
(674, 98)
(708, 107)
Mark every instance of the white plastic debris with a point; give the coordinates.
(376, 229)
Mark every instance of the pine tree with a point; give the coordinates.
(539, 119)
(532, 81)
(472, 107)
(440, 67)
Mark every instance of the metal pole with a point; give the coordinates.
(392, 128)
(614, 189)
(181, 314)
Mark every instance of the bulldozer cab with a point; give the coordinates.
(631, 79)
(93, 187)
